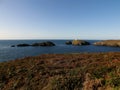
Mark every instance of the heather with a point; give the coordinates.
(80, 71)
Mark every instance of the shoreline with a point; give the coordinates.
(92, 53)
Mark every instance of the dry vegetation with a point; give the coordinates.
(90, 71)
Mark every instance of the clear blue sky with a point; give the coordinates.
(59, 19)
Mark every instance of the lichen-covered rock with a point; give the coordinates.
(80, 42)
(68, 42)
(115, 43)
(48, 43)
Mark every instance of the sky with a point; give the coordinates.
(59, 19)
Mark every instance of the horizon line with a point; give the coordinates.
(54, 39)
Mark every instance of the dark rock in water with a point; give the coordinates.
(80, 42)
(68, 42)
(23, 45)
(114, 43)
(13, 46)
(48, 43)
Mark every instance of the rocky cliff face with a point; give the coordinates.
(115, 43)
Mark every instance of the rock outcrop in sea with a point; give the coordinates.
(114, 43)
(13, 46)
(48, 43)
(80, 42)
(68, 42)
(23, 45)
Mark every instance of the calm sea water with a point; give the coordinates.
(10, 53)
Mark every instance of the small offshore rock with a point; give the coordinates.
(68, 42)
(80, 42)
(13, 46)
(23, 45)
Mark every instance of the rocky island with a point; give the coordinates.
(80, 42)
(114, 43)
(47, 43)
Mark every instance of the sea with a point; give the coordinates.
(10, 53)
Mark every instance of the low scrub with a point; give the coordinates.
(85, 71)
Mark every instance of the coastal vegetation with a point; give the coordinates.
(80, 71)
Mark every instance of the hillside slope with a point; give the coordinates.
(86, 71)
